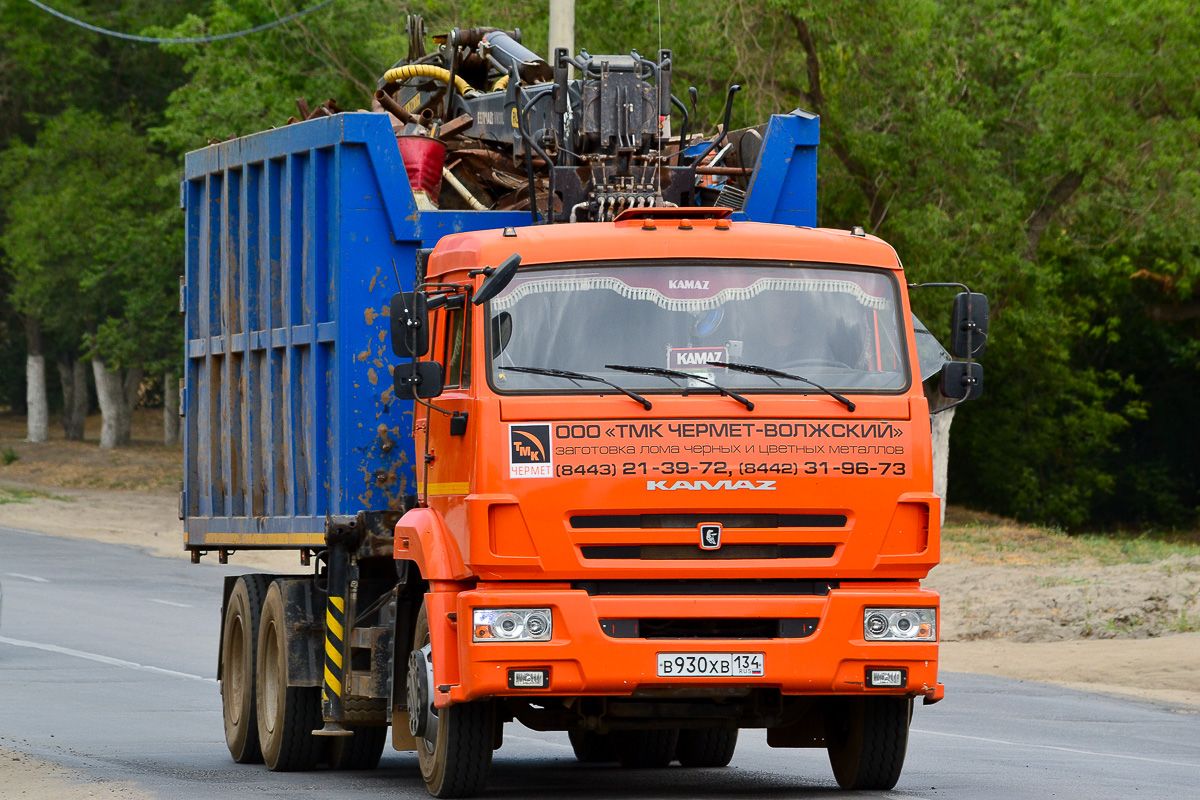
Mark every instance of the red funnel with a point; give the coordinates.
(423, 160)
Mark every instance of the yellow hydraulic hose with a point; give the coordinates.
(426, 71)
(500, 84)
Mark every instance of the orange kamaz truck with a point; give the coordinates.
(626, 448)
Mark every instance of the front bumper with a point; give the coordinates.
(583, 660)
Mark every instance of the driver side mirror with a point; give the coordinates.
(969, 325)
(410, 324)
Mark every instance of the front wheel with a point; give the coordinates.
(867, 738)
(454, 745)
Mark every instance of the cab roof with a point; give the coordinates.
(628, 240)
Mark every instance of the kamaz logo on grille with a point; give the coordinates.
(709, 486)
(710, 535)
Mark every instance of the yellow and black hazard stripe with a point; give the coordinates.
(335, 634)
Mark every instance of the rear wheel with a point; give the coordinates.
(867, 738)
(647, 748)
(239, 648)
(706, 748)
(591, 747)
(454, 746)
(287, 715)
(360, 751)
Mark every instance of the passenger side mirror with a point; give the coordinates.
(417, 379)
(410, 324)
(962, 380)
(969, 325)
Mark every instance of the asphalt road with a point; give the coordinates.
(108, 658)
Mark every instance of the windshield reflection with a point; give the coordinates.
(838, 326)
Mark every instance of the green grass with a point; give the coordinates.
(25, 495)
(979, 539)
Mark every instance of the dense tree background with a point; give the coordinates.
(1043, 151)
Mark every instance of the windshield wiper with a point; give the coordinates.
(754, 369)
(580, 376)
(675, 373)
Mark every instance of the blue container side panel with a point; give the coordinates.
(297, 239)
(783, 188)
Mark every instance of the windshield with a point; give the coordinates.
(838, 326)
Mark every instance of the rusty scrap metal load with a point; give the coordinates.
(485, 123)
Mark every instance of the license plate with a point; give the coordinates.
(710, 665)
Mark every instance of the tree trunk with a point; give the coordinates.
(35, 384)
(170, 409)
(940, 424)
(73, 373)
(114, 430)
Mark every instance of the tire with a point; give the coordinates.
(867, 738)
(647, 749)
(239, 651)
(359, 752)
(591, 747)
(706, 748)
(458, 763)
(287, 715)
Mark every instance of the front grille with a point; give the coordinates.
(638, 521)
(704, 587)
(684, 552)
(718, 628)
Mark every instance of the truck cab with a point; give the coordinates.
(674, 479)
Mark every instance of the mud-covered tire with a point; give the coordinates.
(458, 763)
(591, 747)
(647, 749)
(287, 715)
(239, 650)
(867, 738)
(358, 752)
(706, 748)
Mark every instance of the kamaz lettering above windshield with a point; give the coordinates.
(575, 446)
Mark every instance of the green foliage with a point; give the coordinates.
(1044, 152)
(9, 456)
(90, 242)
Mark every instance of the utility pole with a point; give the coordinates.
(562, 26)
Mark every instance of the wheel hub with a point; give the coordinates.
(422, 718)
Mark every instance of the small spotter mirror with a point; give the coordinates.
(417, 379)
(497, 279)
(962, 380)
(409, 324)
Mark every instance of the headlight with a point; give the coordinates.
(512, 625)
(900, 624)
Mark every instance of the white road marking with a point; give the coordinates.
(1061, 749)
(33, 578)
(115, 662)
(169, 603)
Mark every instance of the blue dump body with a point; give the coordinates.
(296, 240)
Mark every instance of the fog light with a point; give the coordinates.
(512, 625)
(528, 678)
(881, 678)
(900, 624)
